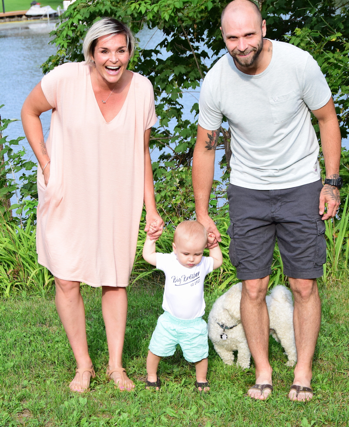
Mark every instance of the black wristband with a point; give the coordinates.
(337, 182)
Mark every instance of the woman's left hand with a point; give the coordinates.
(154, 225)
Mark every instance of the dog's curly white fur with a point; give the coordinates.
(224, 321)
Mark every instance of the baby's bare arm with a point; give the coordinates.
(215, 252)
(149, 251)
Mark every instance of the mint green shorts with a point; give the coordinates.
(191, 335)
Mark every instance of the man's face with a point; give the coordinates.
(243, 36)
(247, 58)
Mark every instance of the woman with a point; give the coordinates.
(95, 171)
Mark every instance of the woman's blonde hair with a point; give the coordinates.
(105, 27)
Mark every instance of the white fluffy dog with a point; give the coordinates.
(227, 334)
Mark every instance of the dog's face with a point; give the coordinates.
(232, 301)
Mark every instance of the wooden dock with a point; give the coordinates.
(9, 16)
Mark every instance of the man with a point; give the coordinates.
(265, 89)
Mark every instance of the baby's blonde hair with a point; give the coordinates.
(190, 230)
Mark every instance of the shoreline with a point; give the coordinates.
(36, 25)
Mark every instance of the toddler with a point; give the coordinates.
(181, 323)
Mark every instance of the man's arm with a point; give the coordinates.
(203, 170)
(331, 148)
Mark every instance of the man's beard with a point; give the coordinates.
(251, 60)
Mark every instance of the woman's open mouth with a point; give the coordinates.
(112, 70)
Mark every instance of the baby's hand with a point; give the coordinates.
(153, 228)
(210, 238)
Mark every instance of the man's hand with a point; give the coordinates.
(211, 239)
(330, 198)
(212, 231)
(331, 148)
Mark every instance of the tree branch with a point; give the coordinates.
(191, 47)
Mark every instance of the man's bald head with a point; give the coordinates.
(247, 6)
(243, 30)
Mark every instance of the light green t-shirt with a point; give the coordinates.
(273, 142)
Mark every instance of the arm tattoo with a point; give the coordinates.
(211, 144)
(332, 192)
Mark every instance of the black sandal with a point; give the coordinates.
(261, 388)
(156, 384)
(202, 385)
(300, 389)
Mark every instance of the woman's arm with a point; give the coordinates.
(33, 107)
(154, 223)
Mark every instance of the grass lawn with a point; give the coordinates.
(12, 5)
(36, 365)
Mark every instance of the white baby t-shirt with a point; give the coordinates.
(184, 287)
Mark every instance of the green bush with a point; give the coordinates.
(19, 267)
(17, 179)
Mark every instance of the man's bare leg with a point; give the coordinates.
(306, 319)
(255, 320)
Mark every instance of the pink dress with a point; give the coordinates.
(89, 213)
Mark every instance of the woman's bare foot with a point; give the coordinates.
(81, 381)
(121, 380)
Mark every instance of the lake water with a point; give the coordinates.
(22, 51)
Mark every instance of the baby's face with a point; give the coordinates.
(189, 253)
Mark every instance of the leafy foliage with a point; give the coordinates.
(332, 54)
(176, 66)
(337, 234)
(192, 43)
(17, 178)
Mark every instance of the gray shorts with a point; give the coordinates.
(258, 217)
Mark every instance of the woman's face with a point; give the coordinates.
(111, 57)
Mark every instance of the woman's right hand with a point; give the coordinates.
(47, 174)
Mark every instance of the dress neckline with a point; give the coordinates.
(95, 99)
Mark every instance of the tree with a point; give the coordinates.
(192, 40)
